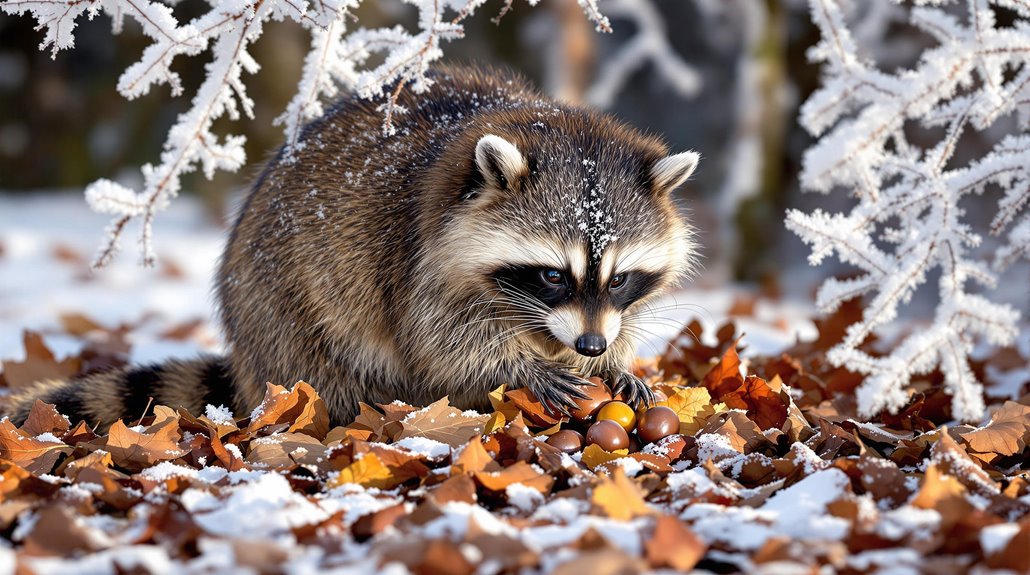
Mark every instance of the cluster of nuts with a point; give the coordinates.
(612, 424)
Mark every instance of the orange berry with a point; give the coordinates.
(620, 413)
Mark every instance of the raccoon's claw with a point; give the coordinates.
(636, 391)
(559, 389)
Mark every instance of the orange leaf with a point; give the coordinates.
(474, 457)
(520, 472)
(531, 407)
(674, 545)
(368, 471)
(43, 418)
(727, 368)
(35, 455)
(619, 498)
(137, 450)
(39, 364)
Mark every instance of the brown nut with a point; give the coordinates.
(608, 435)
(599, 395)
(566, 440)
(656, 423)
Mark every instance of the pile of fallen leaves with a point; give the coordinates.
(770, 469)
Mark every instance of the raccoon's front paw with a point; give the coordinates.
(633, 388)
(557, 389)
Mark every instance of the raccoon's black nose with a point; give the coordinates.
(591, 344)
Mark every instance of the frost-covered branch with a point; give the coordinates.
(907, 220)
(649, 45)
(337, 58)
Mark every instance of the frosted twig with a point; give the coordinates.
(336, 58)
(907, 220)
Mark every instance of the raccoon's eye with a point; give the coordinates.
(553, 277)
(617, 281)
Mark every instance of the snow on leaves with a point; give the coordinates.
(337, 57)
(907, 220)
(802, 487)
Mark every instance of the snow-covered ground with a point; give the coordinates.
(47, 241)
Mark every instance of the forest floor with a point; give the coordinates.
(768, 468)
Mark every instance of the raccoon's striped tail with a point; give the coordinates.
(131, 392)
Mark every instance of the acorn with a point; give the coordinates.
(657, 423)
(608, 435)
(620, 413)
(566, 440)
(598, 396)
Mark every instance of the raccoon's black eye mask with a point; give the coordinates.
(553, 287)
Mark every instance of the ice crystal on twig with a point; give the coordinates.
(337, 57)
(907, 220)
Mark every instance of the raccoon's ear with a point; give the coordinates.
(499, 161)
(670, 172)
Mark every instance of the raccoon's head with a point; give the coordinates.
(574, 231)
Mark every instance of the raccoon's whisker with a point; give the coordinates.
(641, 337)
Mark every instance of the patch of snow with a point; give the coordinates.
(524, 498)
(221, 414)
(424, 446)
(995, 537)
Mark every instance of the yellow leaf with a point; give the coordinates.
(497, 421)
(593, 455)
(619, 498)
(368, 471)
(694, 406)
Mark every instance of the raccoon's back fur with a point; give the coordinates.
(380, 267)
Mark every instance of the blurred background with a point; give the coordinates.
(723, 77)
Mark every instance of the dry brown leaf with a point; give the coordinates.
(674, 545)
(519, 472)
(284, 450)
(300, 407)
(441, 422)
(1006, 434)
(43, 418)
(530, 406)
(79, 324)
(39, 364)
(34, 454)
(137, 450)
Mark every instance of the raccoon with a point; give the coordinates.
(497, 237)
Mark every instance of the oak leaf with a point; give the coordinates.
(35, 454)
